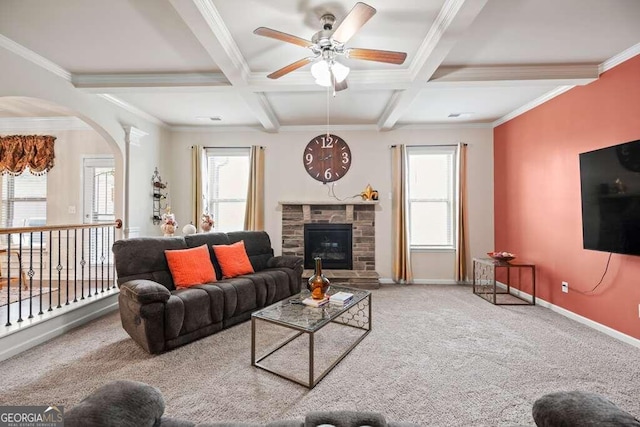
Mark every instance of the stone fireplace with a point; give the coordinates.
(322, 218)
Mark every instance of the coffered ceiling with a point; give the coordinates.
(182, 62)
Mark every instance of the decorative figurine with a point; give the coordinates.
(206, 222)
(169, 223)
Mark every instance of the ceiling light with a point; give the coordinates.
(322, 69)
(210, 118)
(457, 115)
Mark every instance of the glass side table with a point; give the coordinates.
(486, 286)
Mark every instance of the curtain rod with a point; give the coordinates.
(434, 145)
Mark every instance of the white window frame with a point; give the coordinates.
(9, 200)
(88, 164)
(451, 199)
(211, 197)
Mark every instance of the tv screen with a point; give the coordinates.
(610, 187)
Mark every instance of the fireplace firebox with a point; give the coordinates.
(331, 242)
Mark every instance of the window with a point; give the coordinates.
(24, 200)
(431, 176)
(99, 188)
(227, 182)
(98, 205)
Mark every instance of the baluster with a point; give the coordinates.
(59, 268)
(67, 257)
(108, 259)
(75, 265)
(19, 277)
(102, 260)
(30, 273)
(95, 260)
(50, 271)
(82, 264)
(8, 280)
(41, 262)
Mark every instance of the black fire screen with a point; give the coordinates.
(331, 242)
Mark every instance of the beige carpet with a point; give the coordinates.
(438, 356)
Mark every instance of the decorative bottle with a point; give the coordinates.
(318, 284)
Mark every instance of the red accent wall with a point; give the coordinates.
(537, 195)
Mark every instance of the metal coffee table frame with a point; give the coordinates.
(334, 318)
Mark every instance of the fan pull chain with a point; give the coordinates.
(328, 99)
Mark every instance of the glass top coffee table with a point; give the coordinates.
(309, 320)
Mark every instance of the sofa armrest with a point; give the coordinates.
(288, 261)
(145, 291)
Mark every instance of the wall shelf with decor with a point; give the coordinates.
(159, 196)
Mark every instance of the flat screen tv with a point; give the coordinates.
(610, 187)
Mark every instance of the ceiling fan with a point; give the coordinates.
(327, 44)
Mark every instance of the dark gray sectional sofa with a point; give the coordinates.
(160, 317)
(135, 404)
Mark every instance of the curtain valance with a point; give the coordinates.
(18, 152)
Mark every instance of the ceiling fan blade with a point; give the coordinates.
(291, 67)
(337, 86)
(279, 35)
(388, 56)
(355, 19)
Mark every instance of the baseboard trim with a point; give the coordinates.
(24, 337)
(576, 317)
(389, 281)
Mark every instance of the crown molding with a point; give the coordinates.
(63, 123)
(531, 105)
(569, 74)
(148, 80)
(133, 110)
(30, 55)
(619, 58)
(437, 126)
(333, 128)
(133, 135)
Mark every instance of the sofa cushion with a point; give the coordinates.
(190, 267)
(118, 404)
(345, 419)
(258, 247)
(579, 409)
(239, 296)
(233, 260)
(197, 308)
(143, 258)
(271, 285)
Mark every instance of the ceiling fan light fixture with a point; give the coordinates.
(340, 71)
(320, 71)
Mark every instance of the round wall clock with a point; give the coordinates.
(327, 158)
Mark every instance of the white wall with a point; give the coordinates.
(22, 78)
(286, 179)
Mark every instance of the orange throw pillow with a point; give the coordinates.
(233, 259)
(190, 267)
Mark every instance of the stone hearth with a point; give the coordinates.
(362, 217)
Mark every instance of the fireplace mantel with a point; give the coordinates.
(327, 202)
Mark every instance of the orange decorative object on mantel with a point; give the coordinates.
(369, 193)
(318, 284)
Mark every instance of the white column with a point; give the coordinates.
(132, 137)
